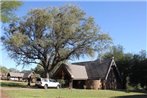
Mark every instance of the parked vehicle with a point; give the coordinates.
(44, 82)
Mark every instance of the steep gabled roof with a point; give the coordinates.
(77, 72)
(20, 75)
(27, 74)
(96, 69)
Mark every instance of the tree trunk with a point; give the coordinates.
(29, 81)
(46, 73)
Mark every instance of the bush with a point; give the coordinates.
(12, 84)
(62, 82)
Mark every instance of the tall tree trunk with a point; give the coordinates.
(45, 66)
(29, 81)
(46, 69)
(46, 73)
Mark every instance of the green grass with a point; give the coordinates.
(75, 93)
(18, 92)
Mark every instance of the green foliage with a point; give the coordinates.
(135, 67)
(3, 69)
(8, 8)
(53, 35)
(39, 70)
(130, 65)
(115, 51)
(13, 70)
(12, 84)
(62, 82)
(139, 73)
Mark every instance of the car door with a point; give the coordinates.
(52, 83)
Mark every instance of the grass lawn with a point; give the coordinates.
(66, 93)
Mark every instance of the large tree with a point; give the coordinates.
(52, 35)
(7, 9)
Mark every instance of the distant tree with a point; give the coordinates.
(7, 9)
(143, 54)
(52, 36)
(124, 65)
(24, 71)
(143, 73)
(3, 69)
(139, 70)
(115, 51)
(132, 66)
(13, 70)
(123, 61)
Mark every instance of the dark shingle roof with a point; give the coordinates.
(27, 74)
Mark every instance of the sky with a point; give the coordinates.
(125, 22)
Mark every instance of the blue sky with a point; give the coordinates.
(125, 22)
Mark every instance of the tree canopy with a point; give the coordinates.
(53, 35)
(8, 8)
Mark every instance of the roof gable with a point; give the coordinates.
(77, 72)
(96, 69)
(28, 74)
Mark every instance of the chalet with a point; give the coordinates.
(15, 76)
(96, 74)
(21, 76)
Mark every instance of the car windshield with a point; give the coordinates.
(38, 79)
(52, 80)
(44, 79)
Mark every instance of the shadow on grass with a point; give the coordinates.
(12, 84)
(132, 96)
(143, 95)
(129, 91)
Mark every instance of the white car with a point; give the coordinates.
(44, 82)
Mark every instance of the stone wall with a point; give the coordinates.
(93, 84)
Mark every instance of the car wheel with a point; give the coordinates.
(45, 86)
(58, 86)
